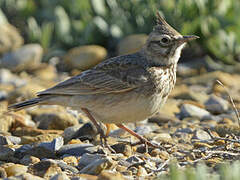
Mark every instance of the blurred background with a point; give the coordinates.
(59, 25)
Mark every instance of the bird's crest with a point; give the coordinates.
(163, 27)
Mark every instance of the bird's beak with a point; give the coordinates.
(184, 39)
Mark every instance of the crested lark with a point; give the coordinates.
(122, 89)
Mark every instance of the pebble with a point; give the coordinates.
(60, 176)
(6, 123)
(16, 170)
(70, 132)
(54, 145)
(44, 169)
(189, 110)
(97, 166)
(107, 175)
(71, 160)
(38, 151)
(27, 57)
(28, 160)
(10, 38)
(3, 173)
(87, 131)
(6, 77)
(122, 148)
(216, 105)
(77, 149)
(39, 138)
(64, 166)
(4, 140)
(56, 120)
(25, 176)
(201, 135)
(87, 158)
(85, 57)
(6, 153)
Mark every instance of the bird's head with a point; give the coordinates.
(164, 43)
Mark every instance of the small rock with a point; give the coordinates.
(14, 139)
(39, 138)
(87, 131)
(28, 160)
(141, 172)
(54, 145)
(161, 119)
(44, 169)
(56, 120)
(64, 166)
(71, 160)
(25, 176)
(4, 140)
(3, 95)
(216, 105)
(110, 176)
(189, 110)
(28, 57)
(133, 160)
(16, 170)
(69, 133)
(6, 77)
(39, 152)
(87, 158)
(85, 57)
(122, 148)
(97, 166)
(77, 149)
(10, 38)
(163, 137)
(201, 135)
(29, 131)
(60, 176)
(3, 173)
(6, 123)
(6, 153)
(131, 44)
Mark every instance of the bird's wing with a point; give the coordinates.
(108, 77)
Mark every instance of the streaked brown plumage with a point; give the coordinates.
(126, 88)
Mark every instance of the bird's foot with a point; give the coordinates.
(103, 141)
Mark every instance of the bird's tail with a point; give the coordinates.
(24, 104)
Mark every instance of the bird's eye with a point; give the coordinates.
(165, 40)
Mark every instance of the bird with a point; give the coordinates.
(122, 89)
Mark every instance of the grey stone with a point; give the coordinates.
(14, 139)
(6, 77)
(64, 166)
(60, 176)
(6, 153)
(201, 135)
(4, 140)
(216, 104)
(77, 149)
(97, 166)
(54, 145)
(27, 57)
(25, 176)
(189, 110)
(70, 132)
(88, 158)
(3, 95)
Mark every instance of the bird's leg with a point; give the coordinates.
(141, 138)
(103, 138)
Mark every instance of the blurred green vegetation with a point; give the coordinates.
(62, 24)
(225, 171)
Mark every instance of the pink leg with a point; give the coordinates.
(100, 131)
(141, 138)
